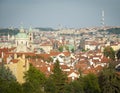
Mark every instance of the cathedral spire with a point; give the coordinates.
(30, 29)
(21, 29)
(30, 35)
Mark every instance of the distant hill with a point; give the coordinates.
(5, 31)
(112, 30)
(45, 29)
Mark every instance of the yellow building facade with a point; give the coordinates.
(18, 66)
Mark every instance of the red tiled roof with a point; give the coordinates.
(82, 66)
(87, 71)
(98, 68)
(95, 60)
(14, 60)
(105, 60)
(64, 67)
(53, 53)
(71, 71)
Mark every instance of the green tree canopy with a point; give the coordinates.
(59, 78)
(6, 74)
(60, 48)
(34, 81)
(109, 80)
(8, 83)
(50, 86)
(75, 87)
(109, 52)
(118, 54)
(91, 84)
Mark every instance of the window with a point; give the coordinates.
(21, 42)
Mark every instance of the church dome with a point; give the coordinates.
(21, 35)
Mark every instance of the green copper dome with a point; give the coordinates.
(71, 47)
(21, 35)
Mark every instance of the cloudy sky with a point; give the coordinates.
(52, 13)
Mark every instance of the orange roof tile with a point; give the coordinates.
(14, 60)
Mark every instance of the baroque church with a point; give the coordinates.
(23, 41)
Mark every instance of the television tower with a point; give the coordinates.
(103, 19)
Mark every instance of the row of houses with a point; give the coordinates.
(44, 54)
(70, 63)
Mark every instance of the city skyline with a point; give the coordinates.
(55, 13)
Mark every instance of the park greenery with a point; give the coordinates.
(45, 29)
(109, 52)
(106, 81)
(111, 31)
(8, 31)
(8, 83)
(67, 48)
(114, 31)
(5, 31)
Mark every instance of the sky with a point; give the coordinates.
(58, 13)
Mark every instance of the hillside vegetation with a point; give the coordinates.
(10, 31)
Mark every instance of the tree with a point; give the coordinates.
(118, 54)
(67, 48)
(91, 84)
(109, 52)
(8, 83)
(72, 50)
(60, 48)
(109, 80)
(49, 86)
(75, 87)
(49, 59)
(6, 74)
(59, 78)
(86, 84)
(34, 81)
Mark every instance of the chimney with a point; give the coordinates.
(27, 65)
(23, 56)
(48, 69)
(2, 55)
(15, 56)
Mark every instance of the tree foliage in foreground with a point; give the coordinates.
(91, 84)
(109, 52)
(109, 80)
(86, 84)
(74, 87)
(49, 86)
(8, 83)
(118, 54)
(58, 79)
(34, 81)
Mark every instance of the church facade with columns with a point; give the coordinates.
(23, 41)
